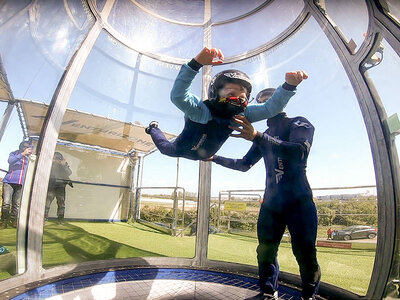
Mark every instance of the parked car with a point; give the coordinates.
(355, 232)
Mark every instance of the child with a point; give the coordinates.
(207, 122)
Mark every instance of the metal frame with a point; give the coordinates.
(175, 204)
(382, 154)
(8, 111)
(383, 150)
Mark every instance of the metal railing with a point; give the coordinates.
(175, 219)
(259, 195)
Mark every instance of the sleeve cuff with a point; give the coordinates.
(288, 87)
(258, 138)
(216, 159)
(194, 65)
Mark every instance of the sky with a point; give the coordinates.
(118, 83)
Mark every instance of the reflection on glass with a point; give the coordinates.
(36, 49)
(381, 69)
(122, 203)
(219, 11)
(327, 100)
(10, 8)
(161, 37)
(14, 162)
(179, 10)
(79, 193)
(392, 9)
(248, 29)
(350, 19)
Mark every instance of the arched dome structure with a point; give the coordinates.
(85, 77)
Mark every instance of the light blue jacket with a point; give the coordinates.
(197, 111)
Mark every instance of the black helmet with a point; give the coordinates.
(228, 76)
(265, 92)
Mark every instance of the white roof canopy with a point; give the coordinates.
(92, 130)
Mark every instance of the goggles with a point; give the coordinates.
(236, 101)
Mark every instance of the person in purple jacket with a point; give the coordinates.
(207, 122)
(13, 183)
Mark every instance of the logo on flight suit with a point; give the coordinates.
(279, 172)
(302, 124)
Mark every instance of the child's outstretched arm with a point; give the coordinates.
(187, 102)
(272, 107)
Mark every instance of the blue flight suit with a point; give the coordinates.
(205, 132)
(288, 201)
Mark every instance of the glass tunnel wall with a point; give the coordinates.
(124, 85)
(35, 59)
(132, 204)
(340, 157)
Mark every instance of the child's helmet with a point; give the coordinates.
(228, 76)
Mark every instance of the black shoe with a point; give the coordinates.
(153, 124)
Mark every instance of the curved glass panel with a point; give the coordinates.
(245, 33)
(350, 19)
(36, 49)
(147, 33)
(190, 12)
(8, 9)
(381, 69)
(225, 10)
(340, 157)
(392, 9)
(116, 178)
(12, 195)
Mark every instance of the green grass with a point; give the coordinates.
(85, 241)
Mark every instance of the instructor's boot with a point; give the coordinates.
(264, 296)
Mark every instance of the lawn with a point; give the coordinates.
(87, 241)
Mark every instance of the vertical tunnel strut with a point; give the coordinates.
(204, 189)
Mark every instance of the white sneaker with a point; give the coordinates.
(273, 297)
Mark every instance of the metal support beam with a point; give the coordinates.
(204, 189)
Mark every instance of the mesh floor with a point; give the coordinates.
(154, 284)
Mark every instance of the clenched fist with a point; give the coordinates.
(295, 77)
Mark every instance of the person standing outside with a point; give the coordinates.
(288, 200)
(329, 232)
(12, 184)
(59, 178)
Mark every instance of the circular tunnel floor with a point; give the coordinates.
(153, 283)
